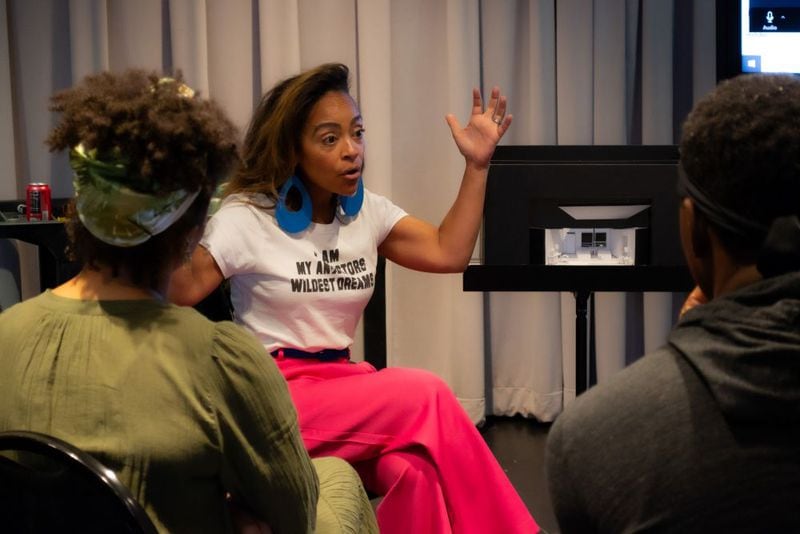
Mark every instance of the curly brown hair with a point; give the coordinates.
(741, 146)
(272, 143)
(169, 140)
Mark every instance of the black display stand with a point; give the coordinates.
(581, 282)
(526, 185)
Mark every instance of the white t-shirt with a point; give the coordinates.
(305, 290)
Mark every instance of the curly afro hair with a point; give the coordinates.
(741, 146)
(170, 140)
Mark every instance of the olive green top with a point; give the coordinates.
(182, 409)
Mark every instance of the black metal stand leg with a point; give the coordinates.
(581, 341)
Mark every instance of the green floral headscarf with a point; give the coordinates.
(113, 212)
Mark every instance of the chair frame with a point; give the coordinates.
(73, 457)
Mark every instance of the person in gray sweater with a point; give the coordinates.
(703, 435)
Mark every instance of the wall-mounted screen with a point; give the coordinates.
(758, 36)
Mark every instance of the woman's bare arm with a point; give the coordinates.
(194, 280)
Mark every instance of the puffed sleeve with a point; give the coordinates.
(265, 464)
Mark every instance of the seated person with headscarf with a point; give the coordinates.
(192, 416)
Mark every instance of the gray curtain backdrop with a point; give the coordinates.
(575, 71)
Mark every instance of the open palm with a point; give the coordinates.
(478, 139)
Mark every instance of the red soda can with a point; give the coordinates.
(37, 202)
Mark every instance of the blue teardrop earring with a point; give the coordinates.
(293, 221)
(351, 205)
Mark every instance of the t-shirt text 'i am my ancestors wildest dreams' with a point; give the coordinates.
(329, 274)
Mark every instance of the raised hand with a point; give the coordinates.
(485, 128)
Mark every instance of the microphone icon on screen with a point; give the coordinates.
(770, 17)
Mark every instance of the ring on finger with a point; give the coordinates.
(497, 119)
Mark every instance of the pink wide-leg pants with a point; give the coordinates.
(411, 442)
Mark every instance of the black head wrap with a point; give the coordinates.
(780, 240)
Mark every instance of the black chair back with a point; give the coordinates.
(48, 485)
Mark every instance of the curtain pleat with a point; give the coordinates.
(279, 40)
(136, 34)
(88, 32)
(189, 42)
(8, 161)
(524, 330)
(610, 120)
